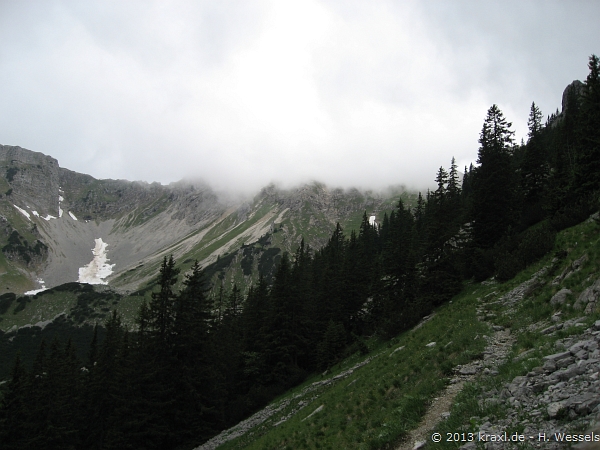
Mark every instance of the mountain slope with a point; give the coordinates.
(524, 355)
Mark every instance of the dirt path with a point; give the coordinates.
(499, 345)
(418, 437)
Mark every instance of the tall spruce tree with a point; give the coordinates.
(162, 305)
(14, 409)
(193, 372)
(493, 181)
(255, 320)
(285, 327)
(534, 171)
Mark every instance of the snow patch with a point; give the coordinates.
(25, 213)
(60, 199)
(37, 291)
(48, 217)
(72, 215)
(44, 323)
(35, 213)
(97, 269)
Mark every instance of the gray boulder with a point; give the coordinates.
(588, 299)
(570, 269)
(554, 409)
(560, 297)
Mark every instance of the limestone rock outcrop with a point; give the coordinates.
(33, 178)
(575, 89)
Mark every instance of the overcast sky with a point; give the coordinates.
(242, 93)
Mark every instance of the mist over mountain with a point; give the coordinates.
(349, 94)
(76, 219)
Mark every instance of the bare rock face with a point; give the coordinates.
(60, 213)
(560, 297)
(566, 386)
(196, 203)
(569, 270)
(33, 178)
(576, 89)
(93, 199)
(322, 207)
(588, 298)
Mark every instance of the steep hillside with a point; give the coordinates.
(523, 357)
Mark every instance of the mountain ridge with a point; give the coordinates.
(142, 222)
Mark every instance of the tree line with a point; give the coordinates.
(195, 364)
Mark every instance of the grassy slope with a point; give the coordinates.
(13, 276)
(38, 308)
(379, 402)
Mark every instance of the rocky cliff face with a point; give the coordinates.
(33, 178)
(106, 199)
(573, 90)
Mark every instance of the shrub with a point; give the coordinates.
(515, 253)
(536, 242)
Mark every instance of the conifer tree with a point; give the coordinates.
(453, 182)
(563, 139)
(284, 327)
(161, 308)
(534, 170)
(301, 292)
(37, 395)
(255, 319)
(360, 263)
(329, 349)
(102, 386)
(234, 303)
(193, 311)
(332, 282)
(64, 389)
(493, 186)
(13, 409)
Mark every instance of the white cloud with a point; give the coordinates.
(242, 93)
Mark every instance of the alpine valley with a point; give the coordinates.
(62, 232)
